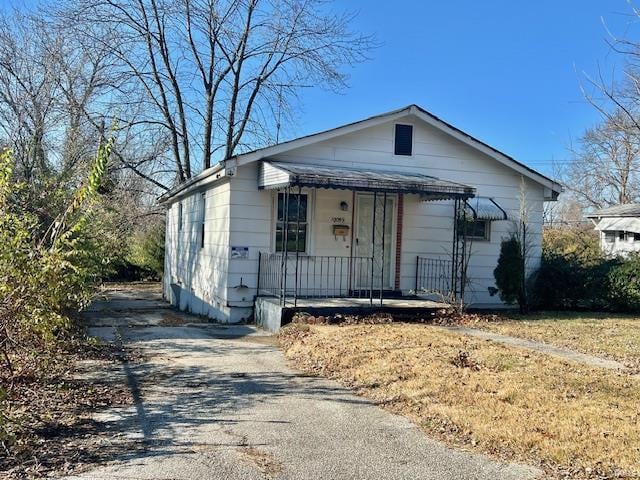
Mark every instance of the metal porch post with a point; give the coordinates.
(285, 241)
(454, 252)
(353, 227)
(384, 224)
(295, 290)
(373, 245)
(463, 259)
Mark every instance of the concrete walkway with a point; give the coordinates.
(214, 402)
(559, 352)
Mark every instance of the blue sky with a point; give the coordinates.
(507, 72)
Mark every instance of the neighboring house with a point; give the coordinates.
(619, 228)
(363, 210)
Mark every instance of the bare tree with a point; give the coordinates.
(566, 212)
(208, 73)
(28, 92)
(606, 167)
(53, 115)
(617, 96)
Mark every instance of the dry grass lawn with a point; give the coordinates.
(615, 337)
(572, 420)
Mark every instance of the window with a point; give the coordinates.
(404, 140)
(609, 237)
(636, 237)
(474, 229)
(296, 227)
(203, 209)
(180, 216)
(621, 236)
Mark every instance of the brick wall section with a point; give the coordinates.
(399, 240)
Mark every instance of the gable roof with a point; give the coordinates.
(626, 210)
(422, 114)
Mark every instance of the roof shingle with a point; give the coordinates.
(626, 210)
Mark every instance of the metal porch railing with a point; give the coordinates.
(312, 276)
(435, 276)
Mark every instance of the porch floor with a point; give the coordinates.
(270, 315)
(403, 302)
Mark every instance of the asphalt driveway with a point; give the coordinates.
(214, 402)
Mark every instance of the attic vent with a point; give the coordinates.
(404, 140)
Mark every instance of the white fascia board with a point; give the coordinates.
(203, 179)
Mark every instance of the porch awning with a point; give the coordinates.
(275, 175)
(622, 224)
(484, 208)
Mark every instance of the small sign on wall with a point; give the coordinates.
(240, 252)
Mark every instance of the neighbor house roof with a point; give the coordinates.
(422, 114)
(626, 210)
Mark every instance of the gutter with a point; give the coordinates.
(206, 177)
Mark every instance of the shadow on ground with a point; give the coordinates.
(219, 400)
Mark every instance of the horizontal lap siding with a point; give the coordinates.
(201, 272)
(244, 214)
(327, 208)
(252, 225)
(427, 226)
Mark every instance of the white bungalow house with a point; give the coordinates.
(378, 209)
(619, 229)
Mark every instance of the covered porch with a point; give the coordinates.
(271, 314)
(364, 273)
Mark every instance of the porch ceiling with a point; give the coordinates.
(275, 175)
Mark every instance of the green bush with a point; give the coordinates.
(624, 284)
(45, 273)
(575, 275)
(509, 273)
(580, 244)
(146, 251)
(565, 281)
(573, 272)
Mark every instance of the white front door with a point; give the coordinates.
(375, 242)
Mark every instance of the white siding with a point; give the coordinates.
(250, 226)
(428, 225)
(253, 226)
(199, 273)
(239, 214)
(619, 247)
